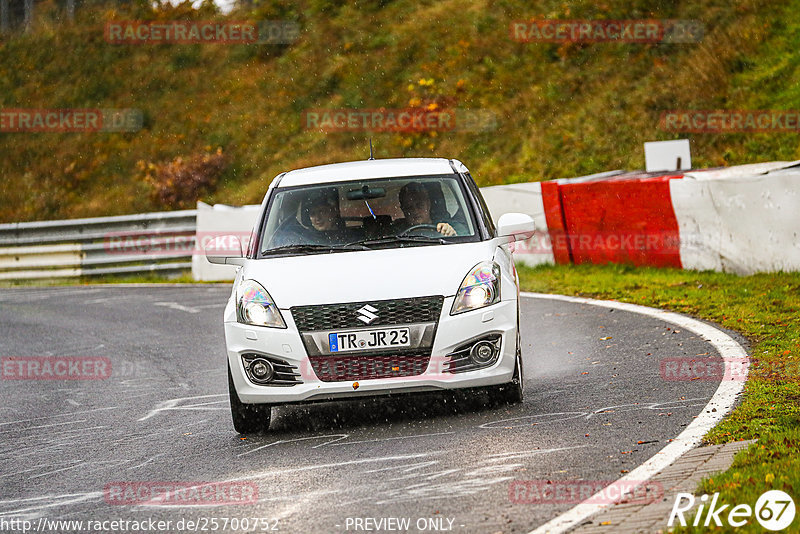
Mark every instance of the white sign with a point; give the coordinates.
(667, 155)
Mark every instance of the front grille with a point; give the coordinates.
(285, 373)
(389, 312)
(372, 366)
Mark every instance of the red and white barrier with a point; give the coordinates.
(742, 219)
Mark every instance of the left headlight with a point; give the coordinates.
(481, 287)
(255, 306)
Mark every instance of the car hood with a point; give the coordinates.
(367, 275)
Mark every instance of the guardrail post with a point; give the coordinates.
(28, 14)
(3, 17)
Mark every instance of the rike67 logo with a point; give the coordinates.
(774, 510)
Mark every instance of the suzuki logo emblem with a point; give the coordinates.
(366, 314)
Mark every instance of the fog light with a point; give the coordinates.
(482, 352)
(262, 369)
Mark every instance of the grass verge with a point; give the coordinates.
(182, 277)
(764, 308)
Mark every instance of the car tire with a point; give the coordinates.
(247, 418)
(512, 392)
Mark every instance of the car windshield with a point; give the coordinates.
(366, 214)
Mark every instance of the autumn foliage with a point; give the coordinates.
(181, 182)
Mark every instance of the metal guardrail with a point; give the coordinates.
(126, 244)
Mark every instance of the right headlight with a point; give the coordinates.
(481, 287)
(255, 306)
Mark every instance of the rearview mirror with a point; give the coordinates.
(366, 193)
(516, 226)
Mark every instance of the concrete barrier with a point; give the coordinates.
(739, 222)
(218, 220)
(523, 198)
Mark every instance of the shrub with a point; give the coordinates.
(180, 183)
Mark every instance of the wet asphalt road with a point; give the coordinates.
(440, 462)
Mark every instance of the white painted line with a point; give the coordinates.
(176, 306)
(362, 461)
(57, 415)
(49, 501)
(174, 404)
(721, 404)
(376, 440)
(279, 442)
(43, 426)
(40, 475)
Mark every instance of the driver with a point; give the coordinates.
(416, 205)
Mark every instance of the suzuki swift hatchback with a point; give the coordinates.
(369, 278)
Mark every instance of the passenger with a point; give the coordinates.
(324, 215)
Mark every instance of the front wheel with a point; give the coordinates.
(512, 393)
(247, 418)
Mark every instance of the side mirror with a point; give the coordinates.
(225, 250)
(516, 226)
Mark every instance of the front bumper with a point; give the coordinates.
(452, 331)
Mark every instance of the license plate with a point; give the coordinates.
(369, 339)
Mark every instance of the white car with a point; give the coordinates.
(370, 278)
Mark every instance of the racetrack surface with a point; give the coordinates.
(596, 407)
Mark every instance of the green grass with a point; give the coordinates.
(562, 110)
(183, 277)
(764, 308)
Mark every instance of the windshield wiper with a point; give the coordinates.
(300, 248)
(399, 239)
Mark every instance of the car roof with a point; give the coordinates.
(366, 169)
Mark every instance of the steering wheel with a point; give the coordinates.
(418, 227)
